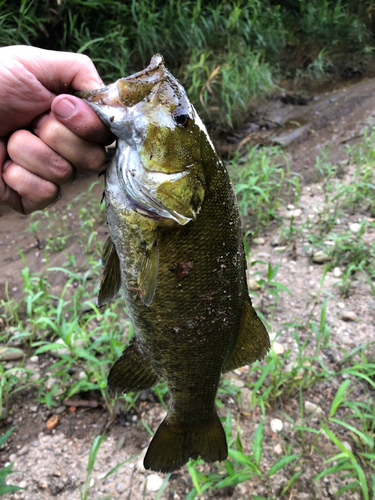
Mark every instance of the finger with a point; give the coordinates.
(7, 195)
(84, 155)
(81, 119)
(35, 193)
(28, 150)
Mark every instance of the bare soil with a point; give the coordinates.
(52, 463)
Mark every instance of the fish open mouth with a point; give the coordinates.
(142, 199)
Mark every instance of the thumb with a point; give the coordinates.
(76, 115)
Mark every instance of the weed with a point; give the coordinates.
(5, 471)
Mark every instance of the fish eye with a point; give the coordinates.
(181, 117)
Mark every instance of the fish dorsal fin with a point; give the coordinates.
(252, 342)
(111, 280)
(148, 274)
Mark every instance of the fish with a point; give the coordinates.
(176, 250)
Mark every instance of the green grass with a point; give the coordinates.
(227, 54)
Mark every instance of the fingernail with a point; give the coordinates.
(64, 109)
(5, 165)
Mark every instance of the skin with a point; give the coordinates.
(45, 133)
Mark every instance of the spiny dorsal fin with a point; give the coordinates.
(148, 274)
(111, 280)
(252, 342)
(132, 372)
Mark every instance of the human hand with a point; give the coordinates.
(45, 134)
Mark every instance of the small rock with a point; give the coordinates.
(348, 446)
(12, 457)
(276, 425)
(290, 207)
(259, 241)
(320, 257)
(246, 400)
(341, 305)
(10, 354)
(52, 422)
(337, 272)
(294, 214)
(349, 316)
(120, 442)
(278, 449)
(278, 348)
(34, 408)
(60, 409)
(43, 484)
(280, 240)
(280, 249)
(154, 482)
(22, 484)
(34, 359)
(355, 227)
(22, 451)
(82, 375)
(237, 383)
(253, 284)
(312, 408)
(50, 382)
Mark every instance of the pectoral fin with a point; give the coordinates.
(132, 372)
(252, 342)
(111, 280)
(148, 274)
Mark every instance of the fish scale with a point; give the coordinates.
(176, 249)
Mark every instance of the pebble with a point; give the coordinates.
(278, 241)
(355, 227)
(50, 382)
(22, 484)
(34, 359)
(52, 422)
(294, 214)
(60, 409)
(312, 408)
(253, 284)
(337, 272)
(276, 425)
(43, 484)
(246, 400)
(347, 445)
(10, 354)
(278, 348)
(154, 482)
(341, 305)
(280, 249)
(259, 241)
(237, 383)
(22, 451)
(349, 316)
(320, 257)
(34, 408)
(278, 449)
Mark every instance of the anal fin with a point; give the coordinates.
(111, 280)
(132, 372)
(252, 342)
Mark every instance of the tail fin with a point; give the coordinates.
(172, 446)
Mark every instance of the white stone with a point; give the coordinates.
(278, 449)
(347, 445)
(355, 227)
(34, 359)
(259, 241)
(320, 257)
(341, 305)
(10, 354)
(337, 272)
(154, 482)
(278, 348)
(294, 214)
(290, 207)
(253, 284)
(280, 249)
(349, 316)
(312, 408)
(237, 383)
(276, 425)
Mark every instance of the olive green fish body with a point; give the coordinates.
(176, 248)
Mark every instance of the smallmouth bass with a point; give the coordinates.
(176, 249)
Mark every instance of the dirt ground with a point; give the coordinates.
(51, 463)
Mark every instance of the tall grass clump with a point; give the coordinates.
(227, 54)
